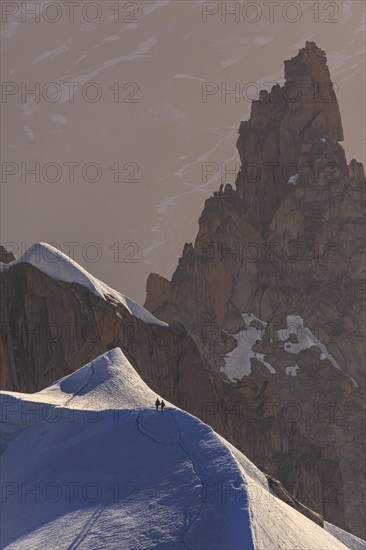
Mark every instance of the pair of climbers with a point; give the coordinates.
(159, 404)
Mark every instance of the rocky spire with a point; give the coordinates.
(283, 124)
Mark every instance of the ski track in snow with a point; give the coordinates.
(81, 537)
(142, 428)
(196, 508)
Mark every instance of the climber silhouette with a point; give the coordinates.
(162, 406)
(157, 405)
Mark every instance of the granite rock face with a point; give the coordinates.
(273, 294)
(282, 122)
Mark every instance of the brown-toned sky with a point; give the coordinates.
(147, 63)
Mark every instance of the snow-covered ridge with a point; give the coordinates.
(139, 478)
(58, 266)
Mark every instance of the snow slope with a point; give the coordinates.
(89, 463)
(60, 267)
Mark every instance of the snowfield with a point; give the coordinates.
(58, 266)
(89, 463)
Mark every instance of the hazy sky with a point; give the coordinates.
(117, 130)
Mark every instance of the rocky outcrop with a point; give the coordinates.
(273, 294)
(5, 256)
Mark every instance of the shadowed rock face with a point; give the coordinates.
(288, 241)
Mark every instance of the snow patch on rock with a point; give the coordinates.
(306, 339)
(238, 361)
(293, 179)
(291, 371)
